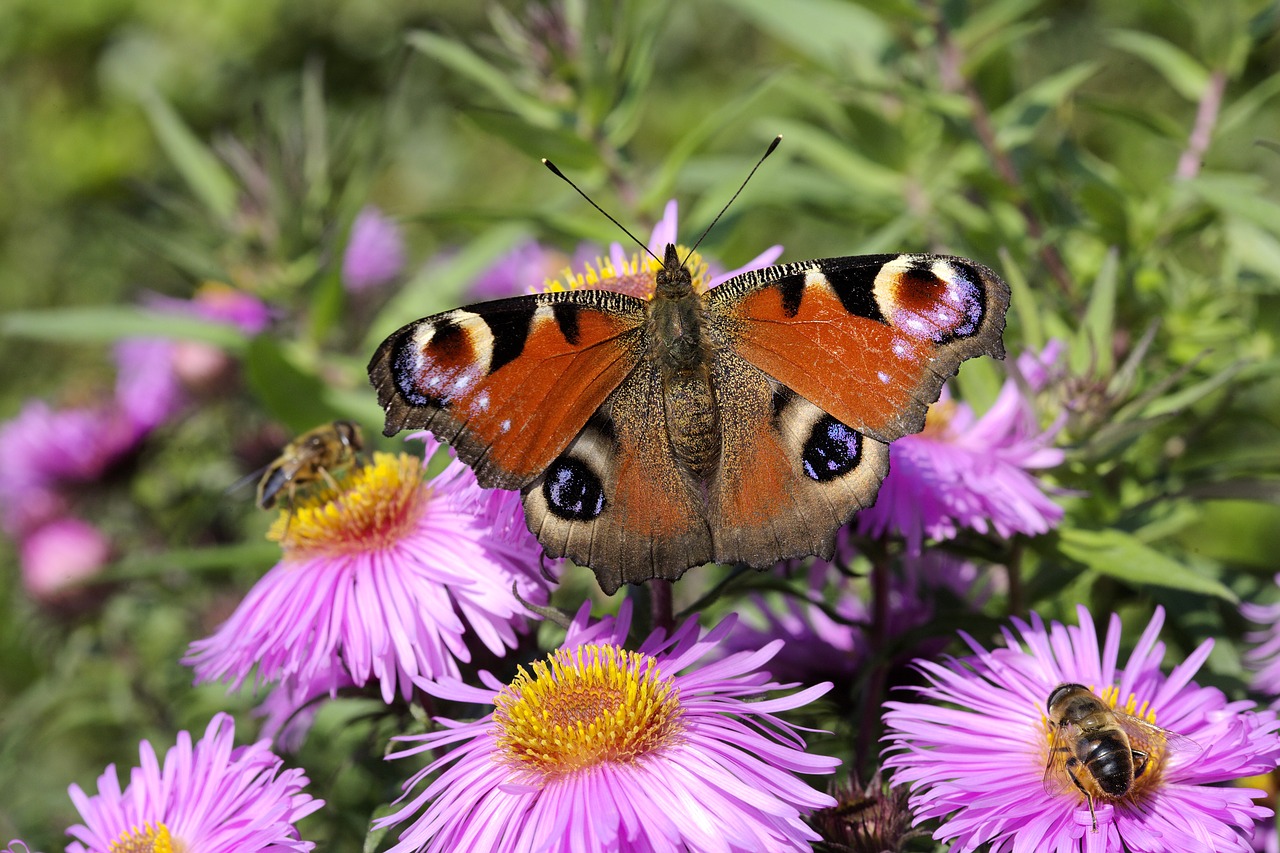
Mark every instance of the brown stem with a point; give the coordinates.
(878, 634)
(661, 602)
(1202, 132)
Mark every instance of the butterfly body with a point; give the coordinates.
(743, 424)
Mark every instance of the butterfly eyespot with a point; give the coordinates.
(572, 490)
(941, 301)
(832, 450)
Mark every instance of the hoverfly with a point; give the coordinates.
(1100, 751)
(309, 459)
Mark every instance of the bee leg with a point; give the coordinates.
(289, 518)
(1072, 763)
(328, 478)
(1140, 760)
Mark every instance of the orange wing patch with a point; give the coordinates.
(509, 383)
(869, 340)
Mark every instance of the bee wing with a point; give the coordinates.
(1057, 781)
(1156, 742)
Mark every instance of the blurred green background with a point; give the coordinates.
(1117, 162)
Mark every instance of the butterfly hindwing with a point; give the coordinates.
(868, 339)
(790, 473)
(616, 499)
(509, 383)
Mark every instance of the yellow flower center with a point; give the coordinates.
(149, 839)
(937, 419)
(585, 707)
(636, 276)
(374, 506)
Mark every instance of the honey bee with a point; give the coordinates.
(308, 459)
(1099, 751)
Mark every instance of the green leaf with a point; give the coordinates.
(1187, 397)
(563, 147)
(1124, 557)
(1023, 301)
(110, 323)
(191, 561)
(840, 160)
(1099, 316)
(439, 285)
(1020, 116)
(466, 62)
(199, 167)
(1179, 69)
(830, 32)
(290, 390)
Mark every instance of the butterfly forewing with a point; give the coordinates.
(509, 383)
(868, 339)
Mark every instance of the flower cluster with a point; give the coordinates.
(976, 749)
(601, 748)
(49, 455)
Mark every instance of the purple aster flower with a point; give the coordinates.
(153, 374)
(375, 251)
(967, 472)
(975, 751)
(210, 797)
(1264, 657)
(16, 846)
(600, 748)
(384, 580)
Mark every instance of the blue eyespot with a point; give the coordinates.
(832, 450)
(572, 490)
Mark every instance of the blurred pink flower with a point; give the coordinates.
(375, 252)
(45, 453)
(1264, 656)
(59, 555)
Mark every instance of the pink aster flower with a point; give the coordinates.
(601, 748)
(1264, 657)
(384, 581)
(210, 797)
(375, 251)
(974, 752)
(967, 472)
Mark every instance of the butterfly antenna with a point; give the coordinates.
(559, 174)
(767, 152)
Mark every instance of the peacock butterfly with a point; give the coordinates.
(744, 424)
